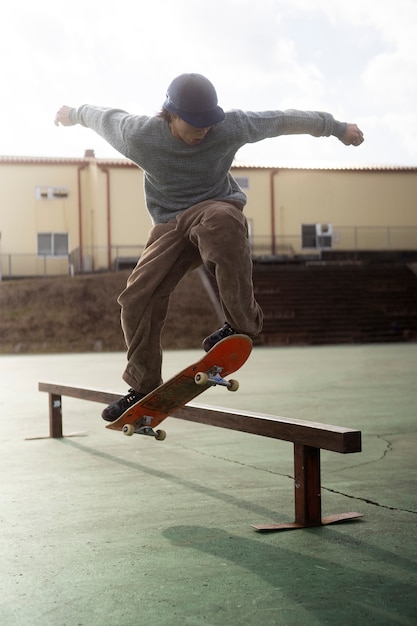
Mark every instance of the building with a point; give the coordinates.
(60, 216)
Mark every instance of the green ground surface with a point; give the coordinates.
(100, 529)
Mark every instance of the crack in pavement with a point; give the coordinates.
(328, 489)
(368, 501)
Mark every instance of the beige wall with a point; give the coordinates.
(367, 208)
(116, 215)
(346, 198)
(23, 216)
(376, 207)
(130, 221)
(258, 208)
(115, 220)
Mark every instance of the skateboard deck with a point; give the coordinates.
(227, 356)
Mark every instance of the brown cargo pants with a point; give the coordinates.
(213, 233)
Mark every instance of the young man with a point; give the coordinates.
(196, 206)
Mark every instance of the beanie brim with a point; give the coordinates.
(198, 119)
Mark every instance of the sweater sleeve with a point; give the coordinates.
(115, 125)
(261, 125)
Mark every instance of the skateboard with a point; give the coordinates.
(226, 357)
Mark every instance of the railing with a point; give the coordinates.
(26, 265)
(102, 258)
(344, 238)
(375, 238)
(308, 439)
(89, 259)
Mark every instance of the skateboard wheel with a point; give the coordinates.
(233, 385)
(160, 435)
(128, 430)
(201, 378)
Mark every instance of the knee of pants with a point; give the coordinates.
(226, 217)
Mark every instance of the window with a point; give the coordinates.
(52, 244)
(43, 192)
(242, 181)
(308, 235)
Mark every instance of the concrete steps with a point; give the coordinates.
(336, 303)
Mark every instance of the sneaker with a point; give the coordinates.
(115, 409)
(218, 335)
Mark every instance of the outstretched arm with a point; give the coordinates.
(353, 136)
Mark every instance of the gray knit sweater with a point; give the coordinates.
(176, 175)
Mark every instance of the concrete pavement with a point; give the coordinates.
(99, 529)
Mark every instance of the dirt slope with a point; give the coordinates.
(80, 314)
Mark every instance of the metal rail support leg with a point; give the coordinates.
(307, 488)
(55, 416)
(307, 493)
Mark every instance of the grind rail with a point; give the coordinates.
(307, 437)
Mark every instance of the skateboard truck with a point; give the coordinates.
(213, 377)
(144, 428)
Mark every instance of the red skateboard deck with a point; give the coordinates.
(226, 357)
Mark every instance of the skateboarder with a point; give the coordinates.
(186, 152)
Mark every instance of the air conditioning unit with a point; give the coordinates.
(324, 236)
(319, 236)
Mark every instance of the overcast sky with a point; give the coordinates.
(356, 59)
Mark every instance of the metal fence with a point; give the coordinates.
(79, 261)
(103, 258)
(343, 238)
